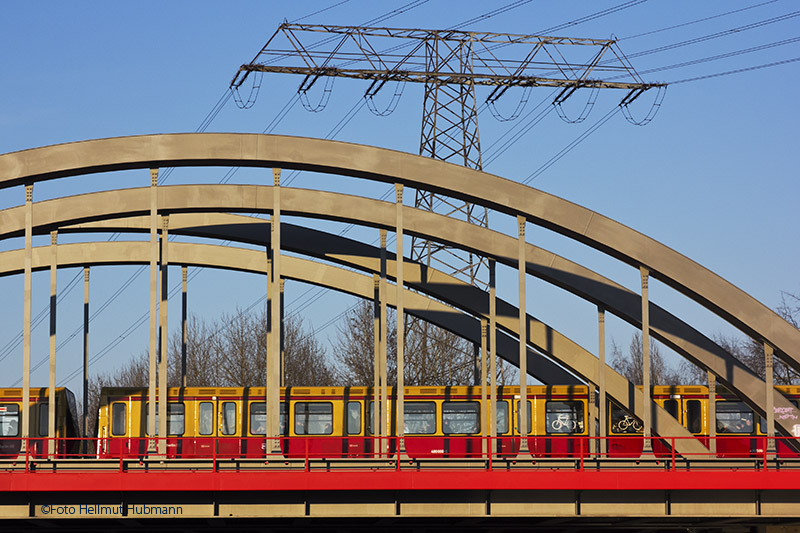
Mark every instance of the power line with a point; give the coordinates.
(697, 21)
(737, 71)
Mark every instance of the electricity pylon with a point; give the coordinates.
(450, 64)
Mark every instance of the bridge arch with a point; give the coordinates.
(182, 200)
(505, 196)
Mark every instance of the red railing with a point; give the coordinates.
(312, 453)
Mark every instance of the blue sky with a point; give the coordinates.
(713, 176)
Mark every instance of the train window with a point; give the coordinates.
(118, 419)
(353, 418)
(228, 418)
(9, 420)
(501, 417)
(258, 418)
(519, 418)
(43, 422)
(175, 418)
(419, 418)
(205, 419)
(623, 422)
(461, 417)
(563, 417)
(734, 417)
(671, 406)
(694, 416)
(370, 418)
(313, 418)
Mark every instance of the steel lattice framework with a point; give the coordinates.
(450, 64)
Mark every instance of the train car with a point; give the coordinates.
(687, 403)
(739, 432)
(67, 428)
(337, 421)
(439, 422)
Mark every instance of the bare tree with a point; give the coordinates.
(632, 365)
(230, 351)
(440, 358)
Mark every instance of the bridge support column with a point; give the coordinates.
(273, 392)
(282, 284)
(770, 386)
(493, 356)
(486, 420)
(712, 413)
(646, 407)
(151, 392)
(163, 337)
(51, 391)
(376, 360)
(524, 429)
(400, 322)
(26, 332)
(85, 414)
(383, 407)
(601, 379)
(184, 325)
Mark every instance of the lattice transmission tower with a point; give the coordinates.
(450, 64)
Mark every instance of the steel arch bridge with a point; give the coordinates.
(353, 267)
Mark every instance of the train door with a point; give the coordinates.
(355, 444)
(118, 438)
(216, 430)
(672, 405)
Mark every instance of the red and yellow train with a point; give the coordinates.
(337, 422)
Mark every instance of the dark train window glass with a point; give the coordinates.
(762, 425)
(370, 418)
(118, 419)
(228, 418)
(43, 408)
(419, 417)
(313, 418)
(501, 417)
(734, 417)
(205, 419)
(563, 417)
(461, 417)
(353, 418)
(671, 406)
(258, 418)
(623, 422)
(9, 420)
(694, 416)
(519, 414)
